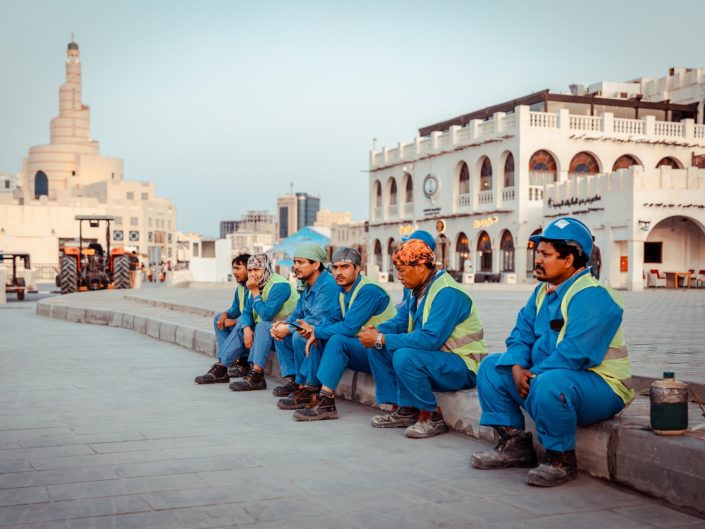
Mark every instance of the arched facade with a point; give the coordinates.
(378, 254)
(670, 162)
(391, 246)
(583, 164)
(624, 162)
(462, 251)
(484, 249)
(392, 186)
(377, 186)
(509, 171)
(485, 174)
(41, 184)
(463, 179)
(542, 168)
(408, 189)
(506, 246)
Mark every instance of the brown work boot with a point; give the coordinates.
(241, 368)
(555, 469)
(251, 382)
(514, 449)
(430, 423)
(399, 417)
(286, 389)
(320, 408)
(298, 399)
(218, 373)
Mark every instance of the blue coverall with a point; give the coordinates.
(342, 347)
(564, 393)
(229, 339)
(266, 310)
(313, 307)
(411, 366)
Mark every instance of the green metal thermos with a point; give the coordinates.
(669, 405)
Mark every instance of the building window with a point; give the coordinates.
(391, 246)
(195, 249)
(486, 175)
(542, 168)
(378, 254)
(464, 179)
(130, 195)
(41, 184)
(378, 194)
(583, 164)
(392, 192)
(134, 221)
(409, 189)
(509, 171)
(670, 162)
(653, 252)
(462, 248)
(118, 221)
(7, 184)
(283, 222)
(484, 248)
(507, 247)
(73, 173)
(624, 162)
(145, 196)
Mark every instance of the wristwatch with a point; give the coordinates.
(378, 342)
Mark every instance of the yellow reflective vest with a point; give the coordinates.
(289, 304)
(467, 338)
(375, 320)
(615, 368)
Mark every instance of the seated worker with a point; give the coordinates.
(225, 324)
(566, 361)
(360, 303)
(272, 298)
(435, 343)
(420, 235)
(314, 305)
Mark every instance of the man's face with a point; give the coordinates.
(255, 273)
(304, 269)
(240, 272)
(345, 273)
(549, 266)
(412, 276)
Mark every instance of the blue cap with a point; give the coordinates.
(424, 236)
(566, 229)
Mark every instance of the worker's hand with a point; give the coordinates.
(312, 340)
(229, 322)
(306, 328)
(221, 319)
(248, 337)
(253, 285)
(368, 336)
(522, 379)
(279, 330)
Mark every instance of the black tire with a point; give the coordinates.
(20, 295)
(68, 275)
(121, 271)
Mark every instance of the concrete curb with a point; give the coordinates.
(669, 468)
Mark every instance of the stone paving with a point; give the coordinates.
(102, 427)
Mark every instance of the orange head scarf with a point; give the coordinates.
(412, 253)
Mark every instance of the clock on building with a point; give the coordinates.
(430, 185)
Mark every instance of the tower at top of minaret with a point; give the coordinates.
(72, 125)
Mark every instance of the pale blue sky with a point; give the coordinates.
(222, 104)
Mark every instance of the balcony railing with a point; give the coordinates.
(543, 120)
(535, 193)
(393, 211)
(508, 194)
(464, 200)
(378, 213)
(589, 123)
(629, 126)
(540, 178)
(408, 210)
(485, 197)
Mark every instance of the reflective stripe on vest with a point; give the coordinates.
(375, 320)
(241, 297)
(467, 338)
(289, 304)
(615, 368)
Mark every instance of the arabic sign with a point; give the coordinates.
(484, 223)
(574, 201)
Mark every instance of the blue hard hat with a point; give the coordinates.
(566, 229)
(424, 236)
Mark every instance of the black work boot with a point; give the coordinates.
(399, 417)
(218, 373)
(251, 382)
(320, 408)
(298, 399)
(555, 469)
(239, 369)
(287, 389)
(514, 449)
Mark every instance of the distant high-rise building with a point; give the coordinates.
(327, 218)
(296, 211)
(253, 221)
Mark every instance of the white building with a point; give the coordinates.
(67, 177)
(325, 218)
(482, 180)
(353, 234)
(9, 183)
